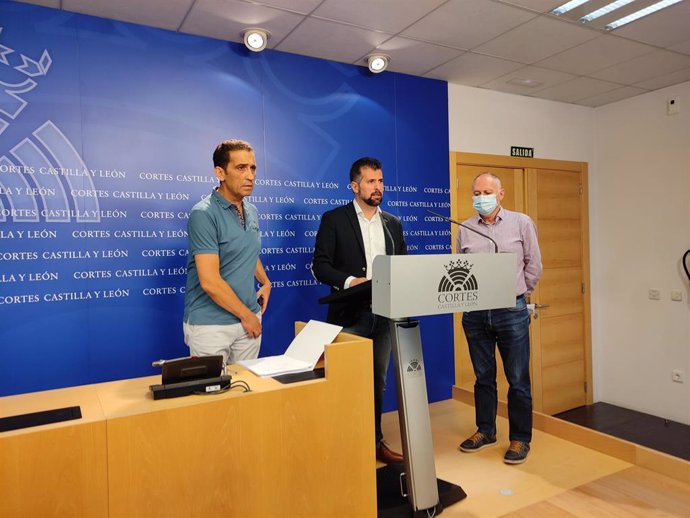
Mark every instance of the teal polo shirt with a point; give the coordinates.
(214, 227)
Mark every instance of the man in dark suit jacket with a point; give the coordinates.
(349, 238)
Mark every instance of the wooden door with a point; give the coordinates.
(555, 201)
(552, 194)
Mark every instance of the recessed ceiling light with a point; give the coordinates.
(569, 6)
(521, 81)
(639, 14)
(608, 8)
(604, 10)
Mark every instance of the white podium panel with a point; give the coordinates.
(439, 284)
(413, 412)
(416, 285)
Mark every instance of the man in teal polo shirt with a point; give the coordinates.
(222, 312)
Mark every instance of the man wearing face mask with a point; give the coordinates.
(348, 239)
(507, 329)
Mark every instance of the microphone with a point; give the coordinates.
(160, 363)
(467, 227)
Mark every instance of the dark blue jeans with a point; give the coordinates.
(377, 328)
(509, 330)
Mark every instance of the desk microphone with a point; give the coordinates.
(160, 363)
(446, 218)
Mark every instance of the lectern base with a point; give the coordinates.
(391, 504)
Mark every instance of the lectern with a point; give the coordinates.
(415, 285)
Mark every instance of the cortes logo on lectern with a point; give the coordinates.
(414, 367)
(458, 286)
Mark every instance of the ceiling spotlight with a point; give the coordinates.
(378, 62)
(256, 39)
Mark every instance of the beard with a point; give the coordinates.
(374, 202)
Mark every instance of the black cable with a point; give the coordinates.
(240, 383)
(685, 264)
(235, 384)
(224, 388)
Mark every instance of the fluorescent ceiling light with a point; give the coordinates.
(568, 7)
(604, 10)
(639, 14)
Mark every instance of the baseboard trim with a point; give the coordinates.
(627, 451)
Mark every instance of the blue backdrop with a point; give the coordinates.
(106, 136)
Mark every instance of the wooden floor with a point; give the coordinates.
(559, 479)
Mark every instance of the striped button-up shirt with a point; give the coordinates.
(514, 232)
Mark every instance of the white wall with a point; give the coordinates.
(484, 121)
(642, 196)
(637, 156)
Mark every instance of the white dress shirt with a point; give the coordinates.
(372, 236)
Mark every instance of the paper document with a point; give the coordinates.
(302, 353)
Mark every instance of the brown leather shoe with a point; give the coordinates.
(386, 455)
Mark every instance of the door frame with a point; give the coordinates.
(479, 159)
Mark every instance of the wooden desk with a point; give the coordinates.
(298, 450)
(55, 470)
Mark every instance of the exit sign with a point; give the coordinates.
(525, 152)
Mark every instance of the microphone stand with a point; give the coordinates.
(446, 218)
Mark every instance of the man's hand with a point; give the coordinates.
(262, 296)
(358, 280)
(251, 324)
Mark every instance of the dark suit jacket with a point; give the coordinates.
(339, 254)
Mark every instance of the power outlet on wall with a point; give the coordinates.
(678, 376)
(672, 106)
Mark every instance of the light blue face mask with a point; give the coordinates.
(485, 204)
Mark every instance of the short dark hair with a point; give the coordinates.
(356, 169)
(221, 156)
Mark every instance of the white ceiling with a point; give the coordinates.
(493, 44)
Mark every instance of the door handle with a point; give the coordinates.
(533, 309)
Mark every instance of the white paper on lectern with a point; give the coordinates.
(275, 365)
(302, 353)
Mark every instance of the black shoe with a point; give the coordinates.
(477, 442)
(517, 452)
